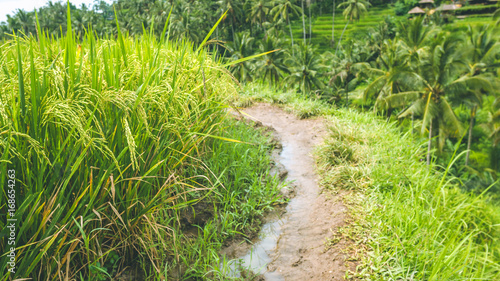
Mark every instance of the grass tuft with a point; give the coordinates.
(412, 222)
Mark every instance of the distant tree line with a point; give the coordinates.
(190, 19)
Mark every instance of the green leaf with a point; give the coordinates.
(120, 39)
(247, 58)
(20, 79)
(210, 33)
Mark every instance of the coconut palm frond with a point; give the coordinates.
(351, 86)
(416, 108)
(453, 125)
(442, 135)
(362, 67)
(402, 99)
(374, 88)
(430, 111)
(407, 77)
(480, 82)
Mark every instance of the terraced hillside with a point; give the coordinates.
(322, 26)
(475, 20)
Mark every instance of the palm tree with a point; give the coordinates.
(239, 48)
(13, 23)
(309, 3)
(234, 11)
(4, 29)
(183, 24)
(354, 9)
(272, 65)
(22, 21)
(377, 37)
(346, 72)
(483, 49)
(438, 78)
(26, 20)
(414, 35)
(259, 10)
(78, 23)
(157, 16)
(390, 74)
(306, 69)
(482, 52)
(286, 8)
(345, 79)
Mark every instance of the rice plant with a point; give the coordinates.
(98, 132)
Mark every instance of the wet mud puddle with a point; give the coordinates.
(292, 247)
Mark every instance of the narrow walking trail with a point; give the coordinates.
(299, 251)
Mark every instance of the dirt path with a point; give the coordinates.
(299, 252)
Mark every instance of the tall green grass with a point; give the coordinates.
(408, 221)
(245, 191)
(100, 133)
(415, 223)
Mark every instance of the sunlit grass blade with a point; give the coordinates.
(21, 81)
(247, 58)
(202, 44)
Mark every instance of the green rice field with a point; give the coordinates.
(107, 144)
(322, 26)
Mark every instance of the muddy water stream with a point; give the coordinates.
(292, 247)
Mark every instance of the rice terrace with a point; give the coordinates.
(250, 140)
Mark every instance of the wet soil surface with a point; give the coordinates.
(293, 242)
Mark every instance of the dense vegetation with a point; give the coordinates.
(127, 89)
(112, 142)
(440, 81)
(412, 223)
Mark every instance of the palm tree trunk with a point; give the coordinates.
(310, 23)
(291, 36)
(263, 27)
(346, 90)
(333, 24)
(471, 125)
(429, 145)
(303, 21)
(341, 35)
(232, 28)
(412, 120)
(346, 99)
